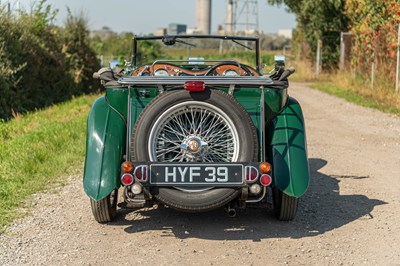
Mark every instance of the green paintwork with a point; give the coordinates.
(274, 100)
(288, 150)
(249, 98)
(139, 102)
(118, 99)
(105, 146)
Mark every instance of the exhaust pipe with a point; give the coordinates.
(231, 211)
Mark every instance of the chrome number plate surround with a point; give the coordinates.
(197, 174)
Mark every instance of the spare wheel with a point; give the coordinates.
(212, 118)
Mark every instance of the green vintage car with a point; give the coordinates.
(198, 129)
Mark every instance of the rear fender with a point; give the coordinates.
(105, 146)
(288, 150)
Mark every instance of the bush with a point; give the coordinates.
(41, 64)
(375, 37)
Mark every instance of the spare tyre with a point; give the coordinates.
(182, 126)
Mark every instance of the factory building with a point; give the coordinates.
(176, 29)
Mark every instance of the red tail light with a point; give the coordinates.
(127, 179)
(141, 173)
(251, 174)
(195, 86)
(265, 180)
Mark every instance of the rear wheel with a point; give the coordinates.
(209, 126)
(285, 206)
(105, 209)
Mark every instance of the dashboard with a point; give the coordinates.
(221, 69)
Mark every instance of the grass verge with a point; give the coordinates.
(355, 96)
(36, 149)
(355, 89)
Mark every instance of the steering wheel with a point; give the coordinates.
(212, 70)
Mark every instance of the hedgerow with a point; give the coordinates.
(375, 30)
(40, 63)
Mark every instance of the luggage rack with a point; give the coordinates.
(252, 81)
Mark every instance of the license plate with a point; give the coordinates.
(196, 174)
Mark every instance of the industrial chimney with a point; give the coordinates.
(203, 16)
(230, 17)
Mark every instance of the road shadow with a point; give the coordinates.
(321, 209)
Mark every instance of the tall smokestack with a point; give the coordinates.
(230, 17)
(203, 16)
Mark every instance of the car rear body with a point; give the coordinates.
(279, 162)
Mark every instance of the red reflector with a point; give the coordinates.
(195, 86)
(127, 179)
(265, 180)
(251, 174)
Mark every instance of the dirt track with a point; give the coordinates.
(350, 214)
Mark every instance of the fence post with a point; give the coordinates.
(318, 63)
(373, 69)
(398, 60)
(284, 49)
(342, 50)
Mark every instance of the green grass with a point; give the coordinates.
(361, 98)
(38, 151)
(355, 88)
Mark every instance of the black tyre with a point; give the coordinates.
(209, 126)
(105, 209)
(285, 206)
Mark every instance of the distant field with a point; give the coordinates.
(38, 149)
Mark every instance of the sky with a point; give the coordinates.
(143, 17)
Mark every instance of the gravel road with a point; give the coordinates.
(349, 216)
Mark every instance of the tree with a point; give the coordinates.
(375, 25)
(40, 63)
(319, 20)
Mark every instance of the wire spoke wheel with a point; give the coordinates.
(193, 132)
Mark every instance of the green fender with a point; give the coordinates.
(105, 146)
(288, 150)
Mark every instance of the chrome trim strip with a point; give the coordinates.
(260, 198)
(262, 124)
(209, 81)
(128, 127)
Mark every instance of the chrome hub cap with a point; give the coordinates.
(193, 146)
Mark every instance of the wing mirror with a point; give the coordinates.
(280, 61)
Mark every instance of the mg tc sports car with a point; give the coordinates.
(200, 128)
